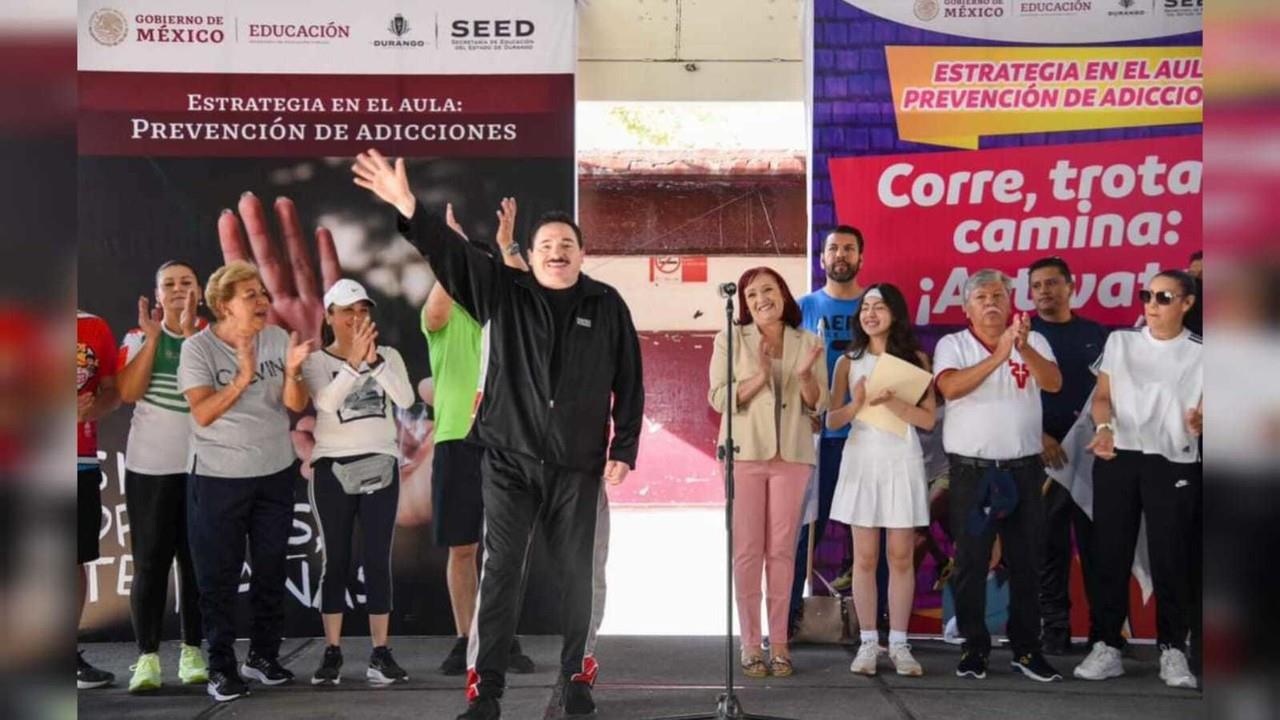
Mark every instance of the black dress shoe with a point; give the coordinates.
(576, 699)
(482, 708)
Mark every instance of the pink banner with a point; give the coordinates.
(1117, 212)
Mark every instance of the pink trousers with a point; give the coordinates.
(766, 516)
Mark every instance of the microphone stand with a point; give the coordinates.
(727, 705)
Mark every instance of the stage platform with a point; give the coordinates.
(647, 676)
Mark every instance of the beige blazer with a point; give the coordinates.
(753, 423)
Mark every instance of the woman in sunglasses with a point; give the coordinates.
(1147, 408)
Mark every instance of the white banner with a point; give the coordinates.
(1058, 21)
(369, 37)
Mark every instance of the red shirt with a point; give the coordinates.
(95, 359)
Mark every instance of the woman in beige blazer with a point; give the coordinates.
(779, 388)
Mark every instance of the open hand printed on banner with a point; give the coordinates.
(289, 273)
(288, 269)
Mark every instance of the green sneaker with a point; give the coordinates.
(192, 669)
(146, 674)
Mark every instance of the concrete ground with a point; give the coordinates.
(647, 677)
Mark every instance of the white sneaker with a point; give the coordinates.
(1102, 662)
(951, 633)
(903, 661)
(865, 662)
(1174, 670)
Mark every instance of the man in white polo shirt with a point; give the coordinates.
(991, 375)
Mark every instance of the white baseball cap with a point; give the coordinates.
(346, 292)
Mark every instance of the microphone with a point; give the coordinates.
(727, 289)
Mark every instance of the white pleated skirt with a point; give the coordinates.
(882, 480)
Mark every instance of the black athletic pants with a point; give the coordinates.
(1021, 534)
(1127, 489)
(157, 506)
(1062, 515)
(519, 494)
(222, 513)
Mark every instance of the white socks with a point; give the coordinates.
(869, 636)
(897, 637)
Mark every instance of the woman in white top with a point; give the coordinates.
(155, 477)
(1147, 408)
(882, 481)
(354, 383)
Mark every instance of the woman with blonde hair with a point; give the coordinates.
(241, 377)
(778, 388)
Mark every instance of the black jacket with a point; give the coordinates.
(600, 378)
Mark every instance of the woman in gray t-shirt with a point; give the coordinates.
(240, 377)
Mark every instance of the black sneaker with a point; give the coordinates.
(1057, 641)
(482, 708)
(576, 699)
(383, 669)
(1034, 666)
(972, 664)
(330, 672)
(226, 686)
(517, 661)
(456, 662)
(89, 677)
(267, 671)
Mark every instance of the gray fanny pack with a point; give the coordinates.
(364, 476)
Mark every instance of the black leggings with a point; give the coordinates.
(157, 506)
(336, 513)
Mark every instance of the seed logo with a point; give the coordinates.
(108, 27)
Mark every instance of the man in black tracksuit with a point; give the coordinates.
(564, 364)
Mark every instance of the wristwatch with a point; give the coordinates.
(1106, 426)
(512, 249)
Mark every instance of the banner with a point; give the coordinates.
(1088, 152)
(965, 134)
(210, 130)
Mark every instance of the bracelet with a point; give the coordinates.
(512, 249)
(1106, 426)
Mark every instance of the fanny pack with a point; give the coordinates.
(366, 475)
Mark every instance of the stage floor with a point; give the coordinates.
(643, 677)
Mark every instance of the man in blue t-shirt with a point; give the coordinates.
(830, 312)
(1076, 343)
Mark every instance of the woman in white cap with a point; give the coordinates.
(356, 473)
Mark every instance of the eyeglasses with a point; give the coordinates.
(1164, 297)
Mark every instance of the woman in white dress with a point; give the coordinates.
(882, 481)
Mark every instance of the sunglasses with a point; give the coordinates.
(1164, 297)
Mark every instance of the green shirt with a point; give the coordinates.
(455, 372)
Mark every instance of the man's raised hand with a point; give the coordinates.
(390, 183)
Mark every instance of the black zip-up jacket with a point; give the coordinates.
(600, 379)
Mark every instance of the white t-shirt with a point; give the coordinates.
(1153, 384)
(160, 427)
(1001, 418)
(354, 413)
